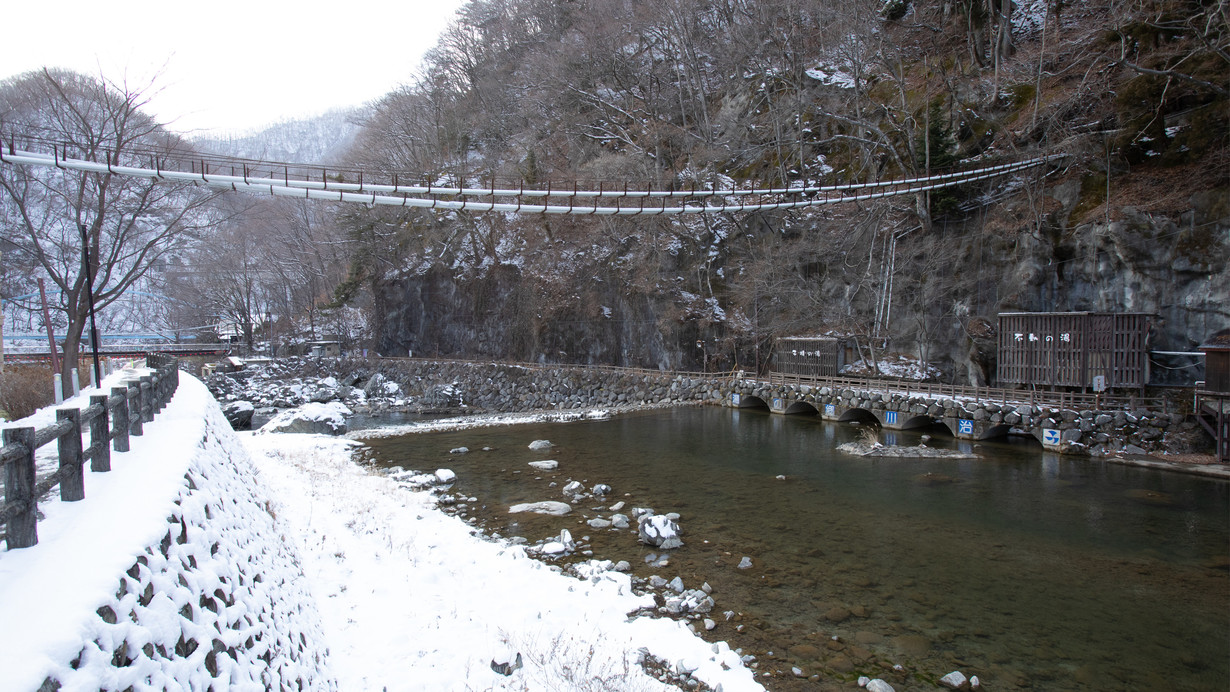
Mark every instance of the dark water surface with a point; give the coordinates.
(1030, 570)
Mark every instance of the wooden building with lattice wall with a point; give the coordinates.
(809, 356)
(1088, 350)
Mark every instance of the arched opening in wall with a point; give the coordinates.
(934, 428)
(923, 423)
(861, 416)
(750, 401)
(996, 432)
(802, 408)
(1025, 443)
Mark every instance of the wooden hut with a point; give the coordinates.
(1213, 397)
(1217, 363)
(1074, 349)
(809, 356)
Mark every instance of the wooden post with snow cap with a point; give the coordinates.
(100, 435)
(19, 479)
(72, 475)
(147, 398)
(118, 403)
(134, 408)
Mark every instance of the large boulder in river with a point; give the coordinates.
(239, 414)
(659, 531)
(311, 418)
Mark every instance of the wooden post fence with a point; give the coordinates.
(110, 420)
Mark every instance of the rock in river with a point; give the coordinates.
(659, 531)
(558, 509)
(545, 465)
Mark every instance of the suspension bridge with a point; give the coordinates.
(452, 194)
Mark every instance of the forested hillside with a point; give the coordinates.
(702, 93)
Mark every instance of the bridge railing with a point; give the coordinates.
(999, 395)
(111, 420)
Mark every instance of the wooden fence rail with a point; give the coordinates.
(111, 421)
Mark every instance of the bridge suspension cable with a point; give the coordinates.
(444, 197)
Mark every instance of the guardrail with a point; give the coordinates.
(111, 420)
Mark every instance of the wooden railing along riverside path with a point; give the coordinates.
(111, 420)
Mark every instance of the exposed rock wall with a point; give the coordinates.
(1027, 253)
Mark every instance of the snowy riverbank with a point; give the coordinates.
(407, 597)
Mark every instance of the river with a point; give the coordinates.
(1031, 570)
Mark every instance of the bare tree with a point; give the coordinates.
(84, 230)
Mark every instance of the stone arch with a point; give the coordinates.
(916, 422)
(995, 431)
(859, 415)
(802, 408)
(752, 401)
(929, 425)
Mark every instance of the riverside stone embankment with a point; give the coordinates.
(1084, 432)
(376, 385)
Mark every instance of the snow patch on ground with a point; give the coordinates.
(894, 365)
(414, 599)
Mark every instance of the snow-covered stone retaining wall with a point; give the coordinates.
(170, 575)
(481, 387)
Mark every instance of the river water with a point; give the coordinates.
(1030, 570)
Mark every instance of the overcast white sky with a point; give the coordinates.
(229, 66)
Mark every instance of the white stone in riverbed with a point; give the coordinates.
(619, 521)
(863, 680)
(953, 680)
(745, 563)
(545, 465)
(676, 584)
(558, 509)
(459, 450)
(709, 624)
(975, 683)
(879, 685)
(445, 475)
(617, 506)
(574, 488)
(539, 445)
(553, 548)
(598, 523)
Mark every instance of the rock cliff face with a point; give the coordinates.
(504, 314)
(948, 286)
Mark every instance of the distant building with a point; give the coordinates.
(323, 348)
